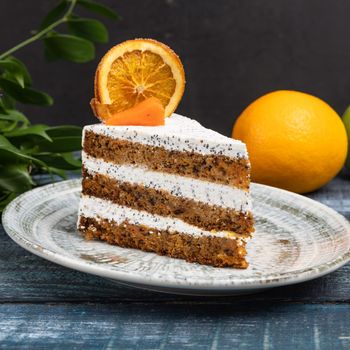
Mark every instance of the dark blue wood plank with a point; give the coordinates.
(25, 277)
(43, 305)
(175, 326)
(336, 194)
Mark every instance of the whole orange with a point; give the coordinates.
(295, 140)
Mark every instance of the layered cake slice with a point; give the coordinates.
(154, 180)
(178, 189)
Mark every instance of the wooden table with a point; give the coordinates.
(46, 306)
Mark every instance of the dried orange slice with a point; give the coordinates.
(136, 70)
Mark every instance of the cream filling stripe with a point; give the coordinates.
(180, 186)
(98, 208)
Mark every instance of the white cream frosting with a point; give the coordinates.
(181, 186)
(179, 133)
(98, 208)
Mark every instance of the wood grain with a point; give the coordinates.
(175, 326)
(27, 278)
(45, 305)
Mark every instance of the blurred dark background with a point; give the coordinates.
(233, 52)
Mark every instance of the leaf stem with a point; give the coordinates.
(40, 34)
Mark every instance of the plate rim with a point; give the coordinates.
(250, 283)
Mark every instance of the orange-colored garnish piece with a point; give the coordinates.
(149, 112)
(136, 70)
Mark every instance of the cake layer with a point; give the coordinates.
(94, 207)
(178, 134)
(179, 186)
(209, 250)
(163, 203)
(215, 168)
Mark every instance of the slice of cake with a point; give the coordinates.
(178, 189)
(154, 180)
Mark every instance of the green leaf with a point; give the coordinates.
(37, 130)
(9, 153)
(16, 69)
(64, 161)
(90, 29)
(56, 13)
(69, 47)
(98, 8)
(9, 120)
(7, 126)
(15, 178)
(70, 158)
(25, 95)
(13, 115)
(6, 102)
(346, 121)
(6, 145)
(61, 173)
(26, 75)
(60, 144)
(64, 130)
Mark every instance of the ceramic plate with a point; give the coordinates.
(296, 239)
